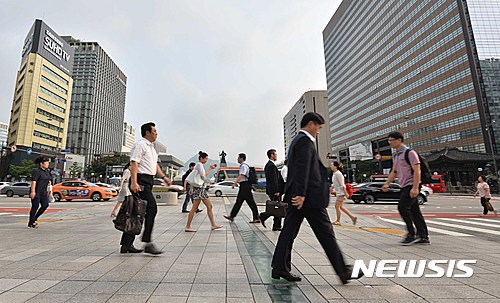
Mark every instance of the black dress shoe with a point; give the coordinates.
(263, 219)
(199, 210)
(276, 228)
(348, 275)
(230, 218)
(277, 274)
(129, 249)
(185, 211)
(151, 249)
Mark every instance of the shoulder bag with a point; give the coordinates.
(195, 179)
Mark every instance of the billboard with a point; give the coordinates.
(42, 40)
(361, 151)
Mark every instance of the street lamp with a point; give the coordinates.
(489, 129)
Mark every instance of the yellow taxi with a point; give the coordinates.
(82, 190)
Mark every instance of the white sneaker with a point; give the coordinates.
(482, 215)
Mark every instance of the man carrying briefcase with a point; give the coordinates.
(274, 189)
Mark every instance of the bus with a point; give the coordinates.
(437, 182)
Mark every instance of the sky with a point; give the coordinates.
(213, 75)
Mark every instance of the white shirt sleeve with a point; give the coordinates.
(201, 170)
(137, 153)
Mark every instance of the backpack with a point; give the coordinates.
(252, 175)
(348, 189)
(425, 171)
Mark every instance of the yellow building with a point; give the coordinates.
(41, 103)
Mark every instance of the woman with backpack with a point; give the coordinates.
(338, 189)
(483, 190)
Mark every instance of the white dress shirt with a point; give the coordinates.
(144, 153)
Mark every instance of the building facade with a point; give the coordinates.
(4, 133)
(128, 137)
(97, 102)
(42, 96)
(311, 101)
(426, 68)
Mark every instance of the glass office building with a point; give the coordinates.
(427, 68)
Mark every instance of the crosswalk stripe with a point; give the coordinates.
(433, 229)
(471, 222)
(5, 214)
(482, 230)
(486, 220)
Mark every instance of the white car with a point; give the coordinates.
(3, 184)
(427, 190)
(223, 188)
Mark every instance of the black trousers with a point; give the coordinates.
(146, 183)
(322, 227)
(483, 203)
(277, 220)
(245, 194)
(36, 211)
(410, 212)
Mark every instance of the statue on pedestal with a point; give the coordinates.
(223, 162)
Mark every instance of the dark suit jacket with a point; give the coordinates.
(274, 180)
(307, 176)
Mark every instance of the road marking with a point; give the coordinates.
(20, 215)
(471, 222)
(482, 230)
(433, 229)
(5, 214)
(487, 220)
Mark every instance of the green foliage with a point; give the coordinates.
(75, 170)
(25, 169)
(98, 166)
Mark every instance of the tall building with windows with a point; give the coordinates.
(427, 68)
(4, 132)
(97, 102)
(311, 101)
(128, 137)
(40, 107)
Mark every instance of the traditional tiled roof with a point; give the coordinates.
(453, 154)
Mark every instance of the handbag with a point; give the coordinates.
(195, 179)
(488, 205)
(131, 215)
(276, 208)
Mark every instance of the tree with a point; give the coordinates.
(25, 169)
(98, 166)
(74, 170)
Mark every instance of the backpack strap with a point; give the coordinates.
(407, 159)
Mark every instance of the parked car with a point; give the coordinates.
(223, 188)
(372, 191)
(19, 188)
(115, 190)
(81, 190)
(160, 185)
(427, 190)
(3, 184)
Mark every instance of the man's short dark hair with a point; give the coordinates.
(192, 164)
(242, 156)
(396, 135)
(270, 152)
(311, 116)
(147, 127)
(41, 159)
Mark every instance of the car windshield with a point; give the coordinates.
(91, 184)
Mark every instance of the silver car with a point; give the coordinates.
(20, 188)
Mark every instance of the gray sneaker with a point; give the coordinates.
(423, 241)
(409, 240)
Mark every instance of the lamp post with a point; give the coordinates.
(490, 135)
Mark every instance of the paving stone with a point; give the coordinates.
(167, 299)
(173, 289)
(50, 298)
(35, 286)
(208, 290)
(68, 287)
(6, 284)
(103, 288)
(16, 297)
(89, 298)
(138, 288)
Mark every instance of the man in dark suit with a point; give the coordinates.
(274, 187)
(307, 192)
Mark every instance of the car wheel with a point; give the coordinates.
(21, 195)
(369, 199)
(420, 199)
(107, 199)
(96, 197)
(10, 193)
(356, 201)
(68, 200)
(218, 193)
(57, 197)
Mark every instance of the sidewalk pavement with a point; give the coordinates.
(75, 258)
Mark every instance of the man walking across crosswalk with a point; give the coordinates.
(408, 175)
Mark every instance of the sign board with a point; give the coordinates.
(13, 148)
(42, 40)
(65, 151)
(361, 151)
(62, 160)
(29, 151)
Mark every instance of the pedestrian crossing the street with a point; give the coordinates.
(463, 227)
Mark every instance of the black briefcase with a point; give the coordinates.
(276, 208)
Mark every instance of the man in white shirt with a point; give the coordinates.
(143, 167)
(245, 192)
